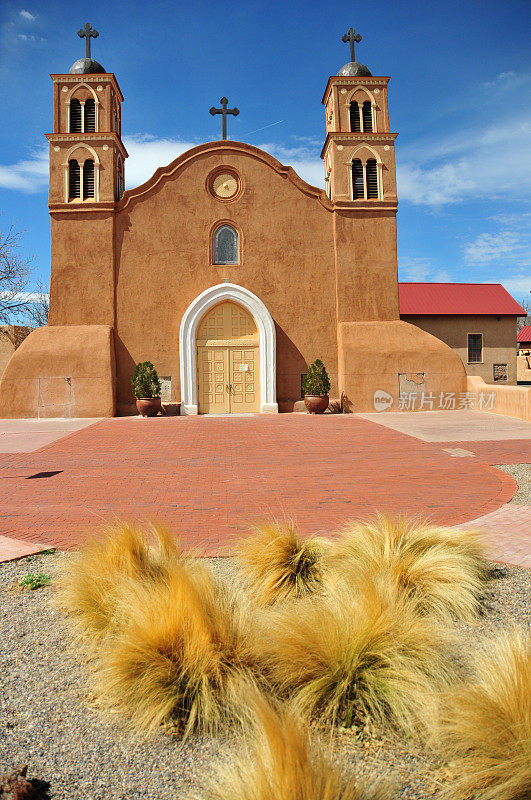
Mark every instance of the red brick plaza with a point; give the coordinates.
(208, 478)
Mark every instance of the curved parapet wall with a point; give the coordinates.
(380, 361)
(61, 371)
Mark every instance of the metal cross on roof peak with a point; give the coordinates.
(88, 32)
(224, 111)
(351, 36)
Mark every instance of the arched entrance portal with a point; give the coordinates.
(228, 361)
(253, 326)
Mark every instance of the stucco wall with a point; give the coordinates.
(11, 337)
(63, 371)
(511, 401)
(499, 340)
(372, 356)
(288, 260)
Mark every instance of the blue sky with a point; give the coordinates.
(460, 95)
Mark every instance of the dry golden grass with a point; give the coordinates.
(485, 725)
(278, 565)
(441, 569)
(183, 655)
(90, 582)
(348, 657)
(277, 760)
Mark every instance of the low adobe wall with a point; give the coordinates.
(523, 368)
(386, 358)
(383, 359)
(61, 371)
(511, 401)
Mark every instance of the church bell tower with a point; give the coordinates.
(359, 149)
(87, 160)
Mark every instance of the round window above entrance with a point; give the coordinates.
(224, 184)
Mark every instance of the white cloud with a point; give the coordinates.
(519, 286)
(146, 154)
(29, 175)
(27, 15)
(421, 269)
(29, 37)
(493, 246)
(492, 164)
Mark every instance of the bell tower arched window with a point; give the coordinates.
(74, 175)
(367, 116)
(88, 179)
(226, 249)
(371, 171)
(358, 186)
(366, 179)
(90, 115)
(75, 116)
(355, 124)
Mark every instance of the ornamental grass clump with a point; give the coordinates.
(277, 760)
(91, 582)
(485, 724)
(441, 569)
(352, 658)
(183, 656)
(278, 565)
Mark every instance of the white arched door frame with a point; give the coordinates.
(187, 347)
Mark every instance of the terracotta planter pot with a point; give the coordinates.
(148, 406)
(316, 403)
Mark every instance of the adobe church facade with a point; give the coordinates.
(225, 269)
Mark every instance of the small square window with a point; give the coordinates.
(475, 348)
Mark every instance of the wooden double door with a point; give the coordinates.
(228, 361)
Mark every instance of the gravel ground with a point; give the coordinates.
(49, 723)
(522, 475)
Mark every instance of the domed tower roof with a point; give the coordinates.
(86, 65)
(353, 68)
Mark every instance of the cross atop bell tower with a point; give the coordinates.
(88, 33)
(350, 36)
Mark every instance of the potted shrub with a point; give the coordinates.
(316, 386)
(146, 389)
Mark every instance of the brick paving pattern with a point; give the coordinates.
(208, 478)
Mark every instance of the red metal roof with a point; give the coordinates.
(457, 298)
(524, 335)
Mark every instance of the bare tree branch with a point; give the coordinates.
(14, 276)
(37, 307)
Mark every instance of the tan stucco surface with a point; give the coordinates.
(512, 401)
(373, 354)
(61, 372)
(499, 340)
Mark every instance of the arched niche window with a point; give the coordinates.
(358, 185)
(75, 116)
(74, 185)
(88, 179)
(365, 179)
(371, 171)
(355, 124)
(90, 115)
(225, 249)
(367, 116)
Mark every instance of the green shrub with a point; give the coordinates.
(316, 381)
(145, 381)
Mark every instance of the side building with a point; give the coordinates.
(477, 320)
